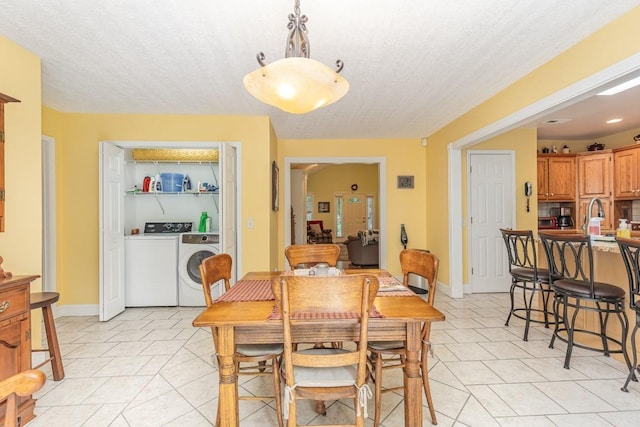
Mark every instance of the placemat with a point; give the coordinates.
(248, 290)
(392, 287)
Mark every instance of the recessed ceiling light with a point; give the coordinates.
(622, 87)
(614, 121)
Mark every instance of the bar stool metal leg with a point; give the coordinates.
(45, 300)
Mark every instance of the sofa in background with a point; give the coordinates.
(363, 249)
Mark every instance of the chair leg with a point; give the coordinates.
(52, 343)
(425, 382)
(570, 330)
(624, 323)
(359, 418)
(527, 309)
(513, 285)
(545, 300)
(291, 421)
(556, 307)
(275, 366)
(603, 327)
(378, 391)
(635, 359)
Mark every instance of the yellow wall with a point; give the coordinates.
(403, 157)
(21, 242)
(523, 144)
(611, 43)
(77, 140)
(338, 179)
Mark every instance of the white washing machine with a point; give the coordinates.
(193, 248)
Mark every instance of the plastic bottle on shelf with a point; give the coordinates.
(158, 183)
(202, 227)
(186, 184)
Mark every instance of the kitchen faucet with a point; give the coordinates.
(588, 214)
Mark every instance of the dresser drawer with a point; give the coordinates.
(13, 302)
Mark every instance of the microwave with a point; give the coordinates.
(547, 222)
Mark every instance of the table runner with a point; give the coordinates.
(260, 290)
(275, 315)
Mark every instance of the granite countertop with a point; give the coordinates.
(596, 245)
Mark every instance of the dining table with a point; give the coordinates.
(246, 314)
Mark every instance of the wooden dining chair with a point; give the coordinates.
(385, 355)
(325, 373)
(312, 254)
(22, 384)
(250, 359)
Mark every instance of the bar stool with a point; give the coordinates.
(45, 300)
(570, 260)
(525, 275)
(630, 251)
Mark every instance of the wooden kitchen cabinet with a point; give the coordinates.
(626, 179)
(557, 177)
(595, 174)
(15, 336)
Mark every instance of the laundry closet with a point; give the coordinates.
(164, 207)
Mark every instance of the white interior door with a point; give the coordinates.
(491, 207)
(112, 296)
(354, 211)
(228, 173)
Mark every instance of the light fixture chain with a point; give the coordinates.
(297, 42)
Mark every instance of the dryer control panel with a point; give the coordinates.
(200, 238)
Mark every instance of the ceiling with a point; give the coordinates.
(412, 66)
(586, 119)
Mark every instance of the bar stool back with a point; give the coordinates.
(630, 250)
(570, 260)
(45, 300)
(526, 276)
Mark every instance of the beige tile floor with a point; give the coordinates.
(150, 367)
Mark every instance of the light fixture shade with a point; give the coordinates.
(296, 85)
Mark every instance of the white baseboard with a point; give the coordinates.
(76, 310)
(448, 290)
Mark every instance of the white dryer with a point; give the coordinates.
(192, 250)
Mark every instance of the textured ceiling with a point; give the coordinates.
(413, 66)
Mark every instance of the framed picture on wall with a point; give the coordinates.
(274, 185)
(323, 207)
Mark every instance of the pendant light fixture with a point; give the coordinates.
(296, 84)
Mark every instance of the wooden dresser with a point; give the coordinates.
(15, 336)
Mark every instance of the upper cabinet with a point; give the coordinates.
(595, 174)
(626, 182)
(556, 177)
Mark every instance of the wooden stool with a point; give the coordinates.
(45, 300)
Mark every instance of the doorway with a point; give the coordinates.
(289, 163)
(491, 207)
